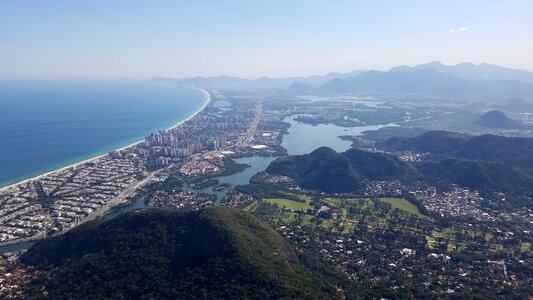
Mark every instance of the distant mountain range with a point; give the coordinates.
(431, 79)
(427, 81)
(472, 71)
(236, 83)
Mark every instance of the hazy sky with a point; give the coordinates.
(106, 38)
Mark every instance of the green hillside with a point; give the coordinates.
(481, 175)
(489, 163)
(512, 150)
(434, 142)
(378, 166)
(498, 119)
(212, 254)
(329, 171)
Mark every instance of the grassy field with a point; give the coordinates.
(332, 201)
(402, 204)
(430, 241)
(288, 204)
(525, 247)
(251, 207)
(349, 211)
(302, 197)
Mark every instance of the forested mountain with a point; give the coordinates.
(516, 151)
(488, 163)
(156, 254)
(329, 171)
(498, 119)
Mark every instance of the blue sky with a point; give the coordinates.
(141, 39)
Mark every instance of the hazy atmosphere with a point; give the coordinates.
(285, 149)
(139, 39)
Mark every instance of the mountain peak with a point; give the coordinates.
(328, 171)
(484, 71)
(432, 64)
(497, 119)
(216, 253)
(400, 68)
(469, 64)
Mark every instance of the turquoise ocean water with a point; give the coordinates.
(45, 125)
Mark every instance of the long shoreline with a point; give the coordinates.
(206, 103)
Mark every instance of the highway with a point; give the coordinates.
(245, 140)
(129, 191)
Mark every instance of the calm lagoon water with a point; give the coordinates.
(366, 101)
(45, 125)
(304, 138)
(256, 163)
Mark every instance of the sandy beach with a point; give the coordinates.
(206, 103)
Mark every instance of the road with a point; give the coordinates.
(250, 133)
(129, 191)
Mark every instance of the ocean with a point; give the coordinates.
(49, 124)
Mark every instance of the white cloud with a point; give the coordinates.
(460, 29)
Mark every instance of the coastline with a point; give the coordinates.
(77, 164)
